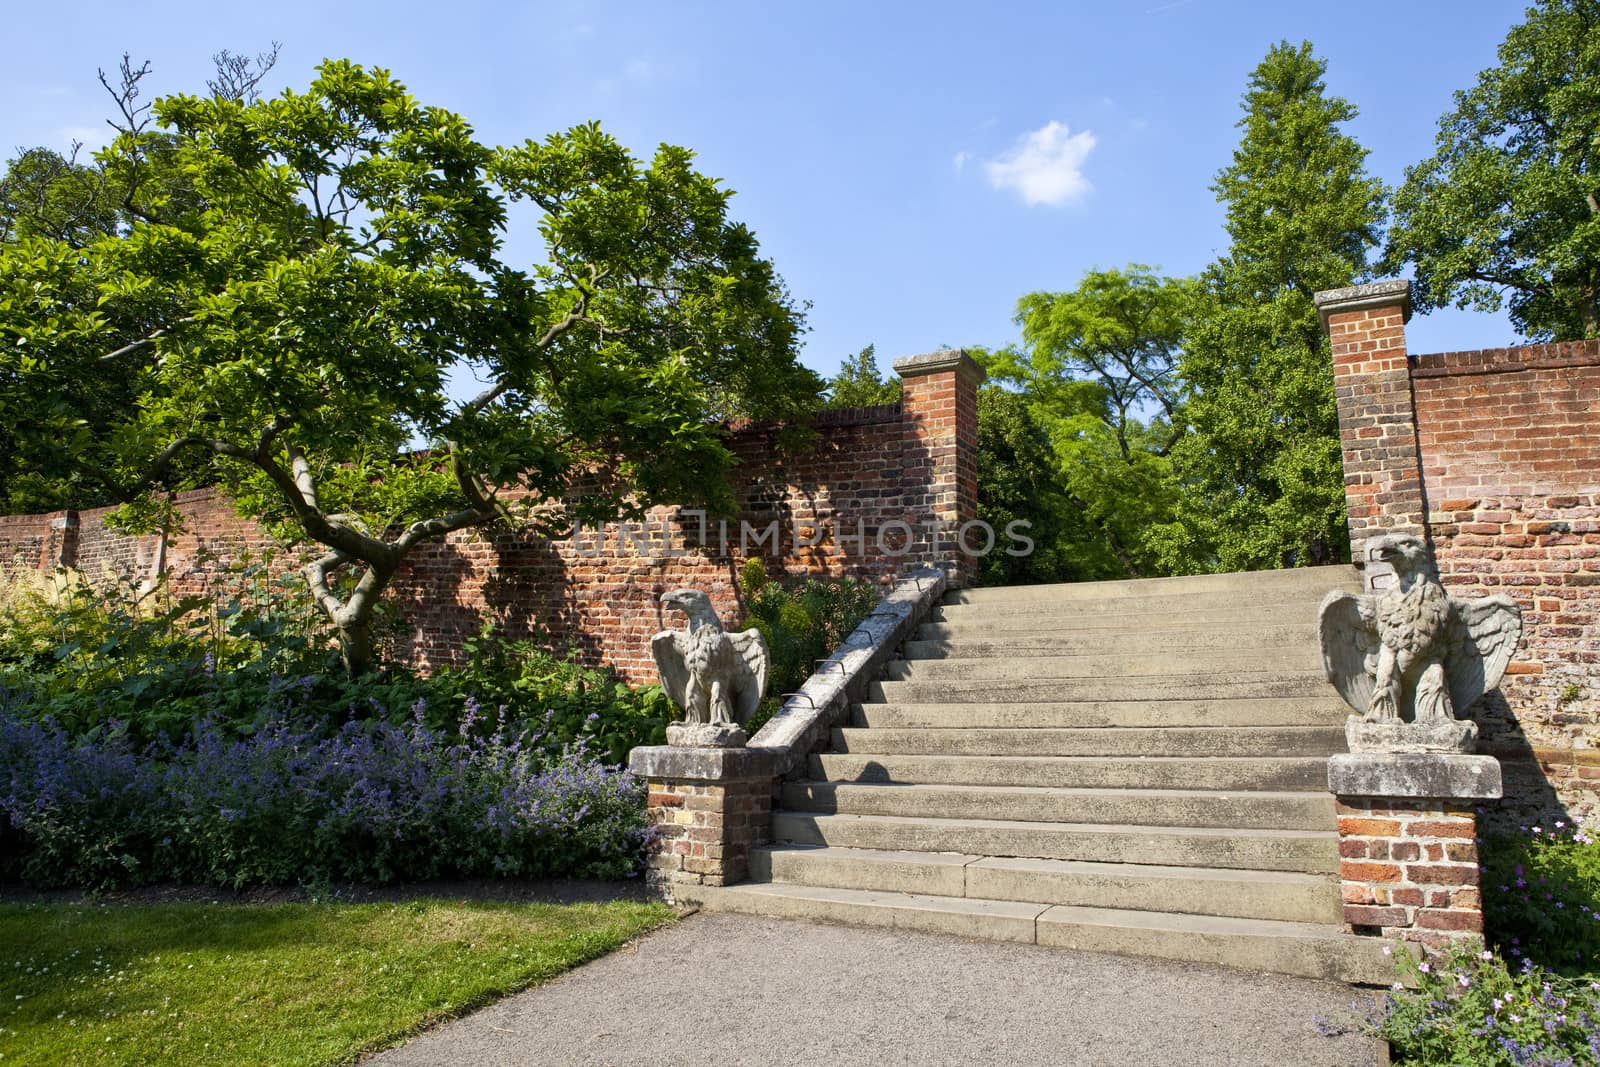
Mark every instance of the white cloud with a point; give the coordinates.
(960, 160)
(1045, 166)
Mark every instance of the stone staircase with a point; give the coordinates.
(1135, 767)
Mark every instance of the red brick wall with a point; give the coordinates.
(863, 472)
(869, 481)
(1510, 445)
(25, 540)
(1495, 456)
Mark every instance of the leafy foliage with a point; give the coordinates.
(802, 624)
(859, 383)
(1471, 1009)
(1508, 208)
(291, 310)
(1261, 470)
(1020, 481)
(1541, 896)
(87, 656)
(1099, 375)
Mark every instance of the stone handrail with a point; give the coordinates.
(802, 725)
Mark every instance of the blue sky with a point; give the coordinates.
(911, 168)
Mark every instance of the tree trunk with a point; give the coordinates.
(356, 649)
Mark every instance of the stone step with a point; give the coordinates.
(1306, 851)
(1306, 950)
(1151, 687)
(1246, 623)
(1237, 809)
(1113, 741)
(1107, 642)
(1287, 662)
(1326, 710)
(1234, 601)
(1281, 895)
(1311, 580)
(1278, 773)
(1311, 950)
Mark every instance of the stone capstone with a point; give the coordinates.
(1414, 774)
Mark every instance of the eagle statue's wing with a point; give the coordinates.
(1347, 626)
(1489, 629)
(751, 683)
(667, 648)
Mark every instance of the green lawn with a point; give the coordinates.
(194, 984)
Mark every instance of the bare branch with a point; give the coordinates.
(236, 80)
(146, 341)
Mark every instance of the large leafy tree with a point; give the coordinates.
(1261, 469)
(1507, 211)
(328, 276)
(1098, 368)
(1019, 481)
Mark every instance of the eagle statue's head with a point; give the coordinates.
(1406, 553)
(693, 603)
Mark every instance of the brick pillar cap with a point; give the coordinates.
(1362, 297)
(946, 359)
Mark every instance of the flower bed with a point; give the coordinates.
(372, 801)
(1533, 997)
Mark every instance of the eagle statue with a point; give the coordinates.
(1413, 655)
(716, 677)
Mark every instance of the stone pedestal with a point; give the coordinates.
(709, 807)
(705, 735)
(1451, 735)
(1408, 855)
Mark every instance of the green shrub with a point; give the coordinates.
(1470, 1009)
(1541, 896)
(151, 666)
(802, 623)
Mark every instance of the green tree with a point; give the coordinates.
(859, 383)
(61, 411)
(1508, 208)
(1098, 370)
(1019, 481)
(1261, 470)
(296, 318)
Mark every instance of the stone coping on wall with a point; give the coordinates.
(804, 722)
(1414, 774)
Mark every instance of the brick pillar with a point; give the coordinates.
(1377, 418)
(709, 807)
(1408, 854)
(939, 480)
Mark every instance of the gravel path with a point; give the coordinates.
(731, 990)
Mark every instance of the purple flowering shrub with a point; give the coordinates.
(372, 801)
(1541, 896)
(1471, 1009)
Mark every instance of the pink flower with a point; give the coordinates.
(1423, 967)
